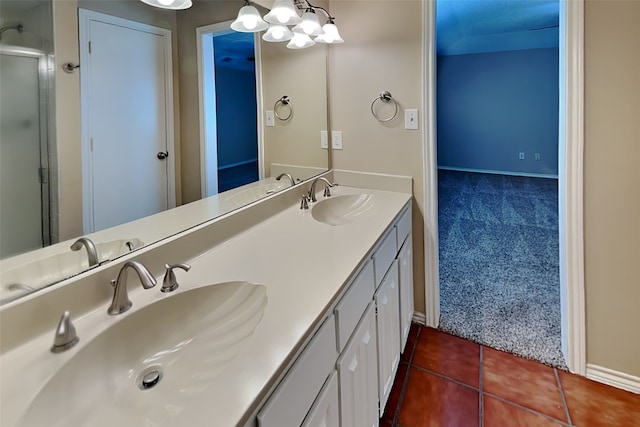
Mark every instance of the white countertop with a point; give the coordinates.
(304, 265)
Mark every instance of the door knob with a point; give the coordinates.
(163, 155)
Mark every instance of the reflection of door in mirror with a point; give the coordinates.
(127, 120)
(228, 107)
(26, 146)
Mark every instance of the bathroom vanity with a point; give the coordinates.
(287, 317)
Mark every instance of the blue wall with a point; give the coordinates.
(492, 106)
(236, 112)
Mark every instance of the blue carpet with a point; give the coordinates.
(499, 272)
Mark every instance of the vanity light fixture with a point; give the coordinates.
(277, 33)
(283, 14)
(300, 41)
(248, 20)
(310, 24)
(169, 4)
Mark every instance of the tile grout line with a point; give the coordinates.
(531, 411)
(396, 415)
(564, 400)
(481, 387)
(444, 377)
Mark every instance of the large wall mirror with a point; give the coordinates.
(66, 161)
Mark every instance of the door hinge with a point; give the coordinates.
(91, 144)
(43, 175)
(89, 43)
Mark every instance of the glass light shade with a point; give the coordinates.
(283, 12)
(310, 25)
(169, 4)
(300, 41)
(331, 35)
(249, 21)
(277, 33)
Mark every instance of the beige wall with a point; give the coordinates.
(382, 51)
(612, 184)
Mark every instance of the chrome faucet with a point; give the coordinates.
(327, 185)
(65, 336)
(288, 175)
(121, 302)
(170, 283)
(86, 243)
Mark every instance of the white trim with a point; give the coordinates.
(260, 105)
(429, 166)
(84, 18)
(419, 318)
(571, 195)
(570, 182)
(496, 172)
(613, 378)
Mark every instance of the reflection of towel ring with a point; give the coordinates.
(385, 97)
(286, 102)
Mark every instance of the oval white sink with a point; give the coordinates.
(187, 338)
(340, 210)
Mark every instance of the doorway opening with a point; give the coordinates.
(228, 96)
(497, 156)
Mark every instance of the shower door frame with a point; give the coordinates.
(45, 118)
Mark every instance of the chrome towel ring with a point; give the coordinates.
(282, 103)
(384, 97)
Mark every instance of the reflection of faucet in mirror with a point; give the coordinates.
(121, 301)
(327, 185)
(86, 243)
(288, 175)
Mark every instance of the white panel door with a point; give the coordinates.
(387, 300)
(405, 259)
(358, 375)
(127, 121)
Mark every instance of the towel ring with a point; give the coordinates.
(285, 102)
(384, 97)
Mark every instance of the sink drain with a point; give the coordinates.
(149, 378)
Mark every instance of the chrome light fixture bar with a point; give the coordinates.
(283, 14)
(169, 4)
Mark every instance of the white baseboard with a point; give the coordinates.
(613, 378)
(419, 318)
(496, 172)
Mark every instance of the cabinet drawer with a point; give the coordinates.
(403, 226)
(353, 304)
(384, 255)
(289, 404)
(326, 409)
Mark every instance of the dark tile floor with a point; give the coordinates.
(447, 381)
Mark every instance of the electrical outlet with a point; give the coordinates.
(324, 139)
(521, 155)
(270, 119)
(336, 139)
(537, 156)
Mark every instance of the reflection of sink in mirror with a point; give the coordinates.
(340, 210)
(253, 192)
(146, 369)
(37, 274)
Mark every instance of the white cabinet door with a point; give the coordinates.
(405, 259)
(387, 300)
(358, 375)
(326, 409)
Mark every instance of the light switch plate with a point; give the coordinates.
(411, 119)
(324, 139)
(336, 139)
(270, 119)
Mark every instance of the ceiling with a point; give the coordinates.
(481, 26)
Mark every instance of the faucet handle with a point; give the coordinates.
(304, 203)
(170, 283)
(326, 192)
(65, 336)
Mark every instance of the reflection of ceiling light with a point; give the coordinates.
(310, 24)
(169, 4)
(283, 12)
(300, 41)
(277, 33)
(331, 34)
(248, 20)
